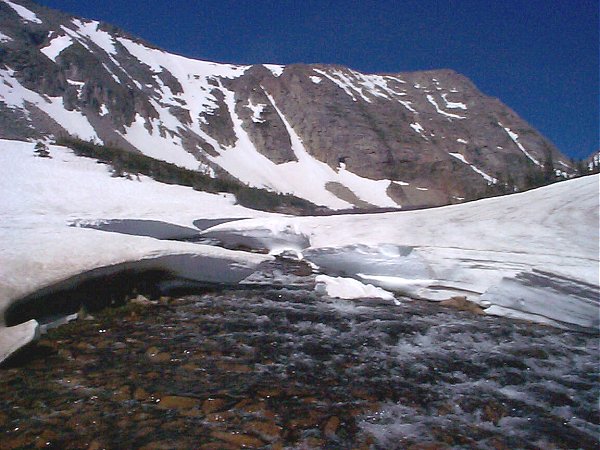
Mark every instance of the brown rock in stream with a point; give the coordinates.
(241, 440)
(212, 405)
(269, 431)
(462, 304)
(177, 402)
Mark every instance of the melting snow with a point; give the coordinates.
(315, 80)
(56, 45)
(154, 145)
(91, 30)
(112, 74)
(5, 38)
(417, 127)
(343, 82)
(256, 111)
(451, 105)
(195, 77)
(407, 105)
(275, 69)
(44, 249)
(15, 95)
(528, 253)
(444, 113)
(515, 138)
(357, 84)
(27, 15)
(461, 141)
(489, 179)
(245, 163)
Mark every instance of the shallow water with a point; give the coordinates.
(278, 368)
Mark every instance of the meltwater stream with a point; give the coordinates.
(288, 368)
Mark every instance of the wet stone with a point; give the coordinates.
(177, 402)
(123, 393)
(268, 431)
(213, 404)
(140, 394)
(331, 427)
(239, 439)
(285, 368)
(224, 416)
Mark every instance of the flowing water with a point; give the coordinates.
(288, 368)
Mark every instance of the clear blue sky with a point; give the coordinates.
(540, 57)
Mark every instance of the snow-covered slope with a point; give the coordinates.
(532, 255)
(363, 140)
(43, 197)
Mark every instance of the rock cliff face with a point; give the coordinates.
(332, 135)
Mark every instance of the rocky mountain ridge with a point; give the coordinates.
(328, 134)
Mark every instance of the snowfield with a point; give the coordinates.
(532, 255)
(43, 197)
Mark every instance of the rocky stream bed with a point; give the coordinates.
(269, 367)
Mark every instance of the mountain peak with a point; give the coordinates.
(385, 140)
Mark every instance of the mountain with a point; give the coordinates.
(328, 134)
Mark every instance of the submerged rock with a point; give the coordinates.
(177, 402)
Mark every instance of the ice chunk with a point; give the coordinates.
(16, 337)
(349, 288)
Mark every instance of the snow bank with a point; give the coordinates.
(68, 188)
(533, 253)
(530, 255)
(39, 248)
